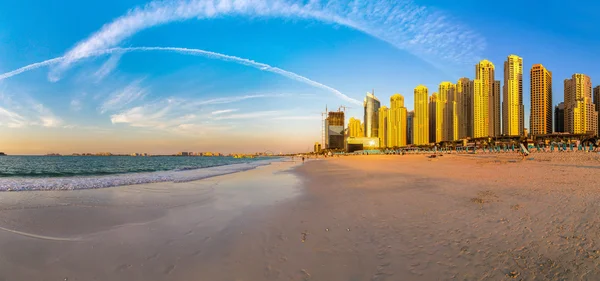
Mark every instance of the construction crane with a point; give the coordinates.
(344, 107)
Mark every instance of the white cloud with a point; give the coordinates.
(121, 98)
(46, 117)
(108, 66)
(31, 113)
(223, 111)
(417, 29)
(180, 114)
(77, 102)
(11, 119)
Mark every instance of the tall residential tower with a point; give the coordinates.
(434, 130)
(464, 104)
(540, 119)
(580, 113)
(512, 104)
(383, 131)
(421, 116)
(486, 101)
(397, 122)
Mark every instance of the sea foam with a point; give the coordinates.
(91, 182)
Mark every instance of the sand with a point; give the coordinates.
(456, 217)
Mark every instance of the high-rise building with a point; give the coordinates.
(383, 126)
(317, 148)
(597, 103)
(464, 105)
(397, 122)
(409, 126)
(335, 130)
(495, 111)
(355, 128)
(421, 116)
(512, 104)
(580, 112)
(559, 118)
(540, 119)
(448, 104)
(486, 97)
(433, 114)
(371, 118)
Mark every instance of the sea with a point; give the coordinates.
(21, 173)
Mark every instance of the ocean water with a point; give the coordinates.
(18, 173)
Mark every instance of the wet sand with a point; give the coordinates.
(456, 217)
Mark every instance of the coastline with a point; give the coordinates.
(124, 179)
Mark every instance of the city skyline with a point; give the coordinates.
(102, 85)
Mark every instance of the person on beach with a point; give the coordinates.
(302, 159)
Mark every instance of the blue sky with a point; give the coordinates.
(277, 64)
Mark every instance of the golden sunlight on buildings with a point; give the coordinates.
(512, 105)
(433, 112)
(397, 122)
(355, 128)
(421, 116)
(540, 120)
(486, 101)
(383, 126)
(580, 114)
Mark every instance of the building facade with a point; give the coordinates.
(580, 113)
(421, 116)
(355, 128)
(485, 100)
(335, 130)
(447, 96)
(540, 119)
(597, 104)
(433, 114)
(397, 122)
(410, 115)
(371, 118)
(464, 105)
(512, 104)
(383, 126)
(559, 118)
(317, 148)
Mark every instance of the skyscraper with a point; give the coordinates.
(409, 126)
(447, 99)
(495, 110)
(355, 128)
(464, 105)
(597, 103)
(371, 118)
(580, 114)
(559, 118)
(512, 104)
(433, 114)
(540, 119)
(397, 122)
(421, 116)
(484, 100)
(383, 126)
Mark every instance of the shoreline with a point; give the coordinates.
(125, 179)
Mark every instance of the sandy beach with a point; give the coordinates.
(456, 217)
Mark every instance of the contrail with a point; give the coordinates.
(424, 32)
(197, 52)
